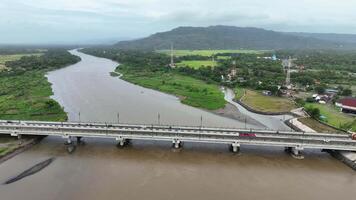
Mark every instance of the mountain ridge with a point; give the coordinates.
(232, 37)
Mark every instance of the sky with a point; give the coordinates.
(98, 21)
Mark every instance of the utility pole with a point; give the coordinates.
(201, 121)
(79, 116)
(288, 71)
(159, 119)
(118, 118)
(172, 56)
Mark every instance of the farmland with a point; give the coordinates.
(259, 102)
(208, 53)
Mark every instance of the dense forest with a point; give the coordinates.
(51, 59)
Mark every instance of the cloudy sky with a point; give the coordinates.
(93, 21)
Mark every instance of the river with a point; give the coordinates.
(152, 170)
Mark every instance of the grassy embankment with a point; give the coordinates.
(26, 96)
(334, 117)
(259, 102)
(317, 126)
(191, 91)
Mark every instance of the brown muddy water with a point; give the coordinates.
(152, 170)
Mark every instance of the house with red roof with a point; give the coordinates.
(347, 105)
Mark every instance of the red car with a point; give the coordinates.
(247, 135)
(353, 136)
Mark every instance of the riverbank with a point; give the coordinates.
(333, 117)
(349, 158)
(25, 93)
(10, 146)
(191, 91)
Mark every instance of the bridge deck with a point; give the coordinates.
(182, 134)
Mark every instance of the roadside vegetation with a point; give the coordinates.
(317, 126)
(262, 103)
(329, 114)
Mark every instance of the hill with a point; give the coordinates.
(227, 37)
(346, 39)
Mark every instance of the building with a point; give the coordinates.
(347, 105)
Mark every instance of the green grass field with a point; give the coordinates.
(239, 92)
(191, 91)
(6, 58)
(196, 64)
(317, 126)
(334, 117)
(263, 103)
(179, 53)
(27, 97)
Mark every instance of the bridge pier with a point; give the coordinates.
(19, 137)
(295, 152)
(70, 146)
(177, 144)
(122, 142)
(80, 141)
(235, 147)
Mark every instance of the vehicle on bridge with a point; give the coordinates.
(247, 134)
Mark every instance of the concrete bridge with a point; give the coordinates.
(294, 142)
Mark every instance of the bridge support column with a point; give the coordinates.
(235, 147)
(122, 142)
(19, 137)
(177, 144)
(79, 140)
(296, 152)
(69, 145)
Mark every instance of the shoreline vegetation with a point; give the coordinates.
(25, 92)
(151, 70)
(190, 91)
(334, 117)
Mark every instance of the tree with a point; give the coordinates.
(346, 92)
(313, 112)
(319, 89)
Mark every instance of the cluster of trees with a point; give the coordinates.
(51, 59)
(143, 60)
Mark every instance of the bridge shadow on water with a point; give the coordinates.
(252, 157)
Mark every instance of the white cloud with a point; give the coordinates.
(114, 18)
